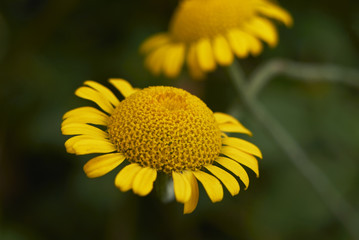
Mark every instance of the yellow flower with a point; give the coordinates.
(159, 129)
(206, 32)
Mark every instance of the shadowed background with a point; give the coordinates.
(49, 47)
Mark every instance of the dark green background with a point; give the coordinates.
(48, 48)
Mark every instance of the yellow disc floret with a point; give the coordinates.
(165, 128)
(196, 19)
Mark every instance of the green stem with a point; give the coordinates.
(301, 71)
(320, 182)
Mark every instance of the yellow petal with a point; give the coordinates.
(106, 93)
(154, 42)
(263, 29)
(174, 60)
(235, 168)
(123, 86)
(211, 184)
(227, 179)
(83, 110)
(222, 51)
(243, 145)
(85, 119)
(103, 164)
(224, 118)
(191, 204)
(231, 127)
(276, 12)
(156, 59)
(241, 157)
(238, 43)
(96, 97)
(193, 65)
(84, 129)
(126, 176)
(71, 141)
(205, 55)
(88, 145)
(182, 187)
(143, 181)
(227, 123)
(254, 45)
(85, 115)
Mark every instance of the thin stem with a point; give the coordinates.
(320, 182)
(308, 72)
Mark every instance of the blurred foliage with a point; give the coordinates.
(49, 47)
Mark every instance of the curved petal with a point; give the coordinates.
(123, 86)
(241, 157)
(242, 145)
(191, 204)
(104, 91)
(231, 127)
(85, 144)
(235, 168)
(276, 12)
(222, 51)
(263, 29)
(205, 55)
(211, 184)
(237, 42)
(193, 65)
(103, 164)
(124, 179)
(174, 60)
(85, 115)
(224, 118)
(82, 128)
(155, 60)
(254, 45)
(143, 181)
(96, 97)
(182, 187)
(154, 42)
(227, 179)
(71, 141)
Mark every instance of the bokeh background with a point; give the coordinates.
(49, 47)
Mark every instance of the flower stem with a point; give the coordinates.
(301, 71)
(320, 182)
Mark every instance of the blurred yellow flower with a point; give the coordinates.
(206, 32)
(159, 129)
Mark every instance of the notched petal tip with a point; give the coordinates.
(124, 179)
(143, 181)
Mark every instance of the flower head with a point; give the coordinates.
(159, 129)
(206, 32)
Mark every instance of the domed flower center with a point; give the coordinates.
(165, 128)
(195, 19)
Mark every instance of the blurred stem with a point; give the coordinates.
(164, 188)
(320, 182)
(308, 72)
